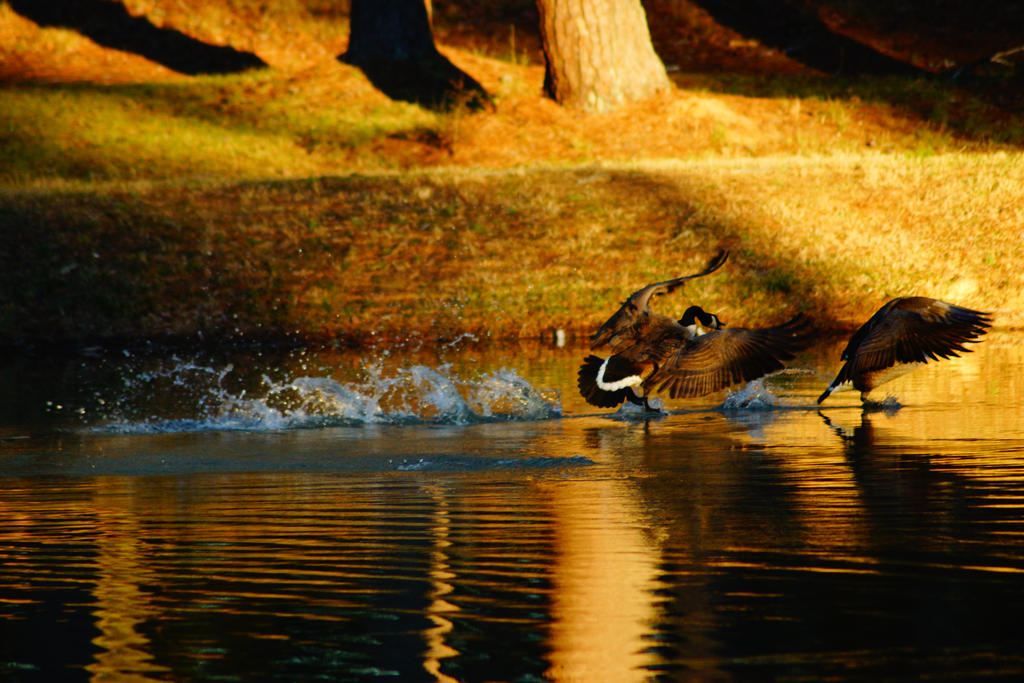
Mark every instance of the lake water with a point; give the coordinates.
(462, 515)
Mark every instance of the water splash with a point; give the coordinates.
(193, 397)
(890, 405)
(629, 410)
(753, 396)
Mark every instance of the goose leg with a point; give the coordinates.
(641, 401)
(637, 400)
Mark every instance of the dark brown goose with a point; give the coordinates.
(632, 322)
(902, 335)
(607, 382)
(675, 357)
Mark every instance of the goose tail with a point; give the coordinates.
(587, 381)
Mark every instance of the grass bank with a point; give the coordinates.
(506, 254)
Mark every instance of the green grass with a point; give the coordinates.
(213, 126)
(87, 134)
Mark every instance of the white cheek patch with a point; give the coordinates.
(630, 381)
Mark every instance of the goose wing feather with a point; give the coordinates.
(721, 358)
(912, 330)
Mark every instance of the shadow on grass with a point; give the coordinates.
(981, 99)
(768, 287)
(109, 24)
(102, 270)
(340, 258)
(986, 111)
(802, 36)
(435, 83)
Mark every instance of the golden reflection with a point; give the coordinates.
(956, 399)
(954, 410)
(121, 605)
(441, 577)
(605, 574)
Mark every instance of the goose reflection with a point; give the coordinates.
(900, 491)
(857, 439)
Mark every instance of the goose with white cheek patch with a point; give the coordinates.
(902, 335)
(607, 382)
(690, 357)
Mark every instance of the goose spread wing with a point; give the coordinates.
(627, 323)
(721, 358)
(913, 330)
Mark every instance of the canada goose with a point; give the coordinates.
(633, 321)
(902, 335)
(671, 360)
(693, 356)
(596, 381)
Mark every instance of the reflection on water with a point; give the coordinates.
(605, 578)
(121, 606)
(145, 536)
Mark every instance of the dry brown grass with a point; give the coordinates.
(865, 228)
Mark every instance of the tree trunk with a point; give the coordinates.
(392, 42)
(599, 54)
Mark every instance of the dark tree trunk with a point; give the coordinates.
(392, 42)
(599, 54)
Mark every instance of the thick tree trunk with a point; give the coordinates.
(392, 42)
(599, 53)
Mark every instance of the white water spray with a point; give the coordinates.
(201, 398)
